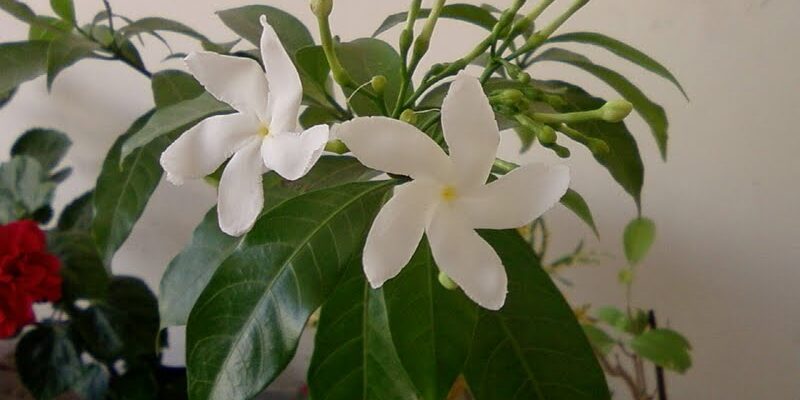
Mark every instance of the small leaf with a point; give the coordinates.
(245, 22)
(45, 145)
(64, 9)
(575, 203)
(599, 339)
(78, 215)
(365, 58)
(85, 276)
(21, 62)
(65, 51)
(174, 118)
(623, 50)
(463, 12)
(131, 309)
(287, 265)
(173, 86)
(665, 348)
(48, 28)
(47, 362)
(639, 236)
(24, 188)
(18, 10)
(613, 317)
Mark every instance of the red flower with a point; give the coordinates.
(27, 274)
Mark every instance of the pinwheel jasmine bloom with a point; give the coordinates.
(448, 197)
(262, 135)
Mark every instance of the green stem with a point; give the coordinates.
(340, 75)
(423, 41)
(567, 118)
(406, 37)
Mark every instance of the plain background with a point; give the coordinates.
(724, 269)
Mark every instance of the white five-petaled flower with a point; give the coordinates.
(448, 197)
(262, 135)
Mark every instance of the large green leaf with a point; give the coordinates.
(18, 10)
(431, 326)
(47, 146)
(463, 12)
(575, 203)
(83, 272)
(21, 62)
(78, 214)
(639, 236)
(623, 50)
(173, 86)
(314, 74)
(191, 270)
(123, 190)
(364, 59)
(245, 22)
(64, 9)
(47, 361)
(245, 326)
(664, 347)
(24, 188)
(623, 161)
(652, 113)
(533, 348)
(65, 51)
(176, 117)
(354, 357)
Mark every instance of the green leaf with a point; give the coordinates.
(639, 236)
(123, 190)
(365, 58)
(284, 269)
(652, 113)
(47, 146)
(533, 348)
(173, 86)
(78, 214)
(97, 333)
(7, 96)
(431, 326)
(174, 118)
(18, 10)
(354, 357)
(93, 383)
(314, 74)
(24, 188)
(85, 276)
(463, 12)
(65, 51)
(191, 270)
(575, 203)
(152, 25)
(48, 28)
(64, 9)
(623, 162)
(665, 348)
(599, 339)
(21, 62)
(47, 362)
(315, 115)
(613, 317)
(623, 50)
(245, 22)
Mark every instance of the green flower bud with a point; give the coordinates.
(409, 116)
(523, 77)
(322, 8)
(446, 282)
(378, 83)
(508, 97)
(336, 146)
(560, 151)
(406, 38)
(598, 147)
(545, 134)
(616, 110)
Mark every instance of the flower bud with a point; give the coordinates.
(446, 282)
(409, 116)
(336, 146)
(508, 97)
(322, 8)
(378, 83)
(523, 77)
(561, 151)
(616, 110)
(406, 38)
(598, 147)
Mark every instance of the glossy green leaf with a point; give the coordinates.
(613, 316)
(652, 113)
(365, 58)
(314, 74)
(354, 357)
(24, 188)
(21, 62)
(48, 28)
(533, 348)
(85, 276)
(47, 146)
(287, 265)
(638, 238)
(177, 117)
(463, 12)
(575, 203)
(18, 10)
(431, 326)
(78, 214)
(191, 270)
(316, 115)
(245, 22)
(174, 86)
(600, 340)
(152, 25)
(623, 50)
(47, 361)
(64, 9)
(123, 190)
(664, 347)
(623, 161)
(65, 51)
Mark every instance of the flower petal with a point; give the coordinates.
(286, 90)
(466, 258)
(397, 230)
(393, 146)
(470, 130)
(517, 198)
(241, 196)
(292, 155)
(203, 148)
(237, 81)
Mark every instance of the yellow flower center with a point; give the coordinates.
(263, 130)
(448, 193)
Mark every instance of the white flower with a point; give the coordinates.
(263, 135)
(448, 197)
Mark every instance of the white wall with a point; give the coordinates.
(724, 270)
